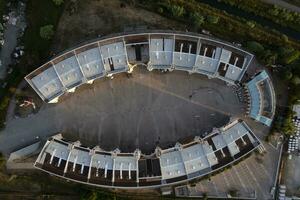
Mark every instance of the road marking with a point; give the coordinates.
(215, 187)
(226, 180)
(238, 175)
(255, 180)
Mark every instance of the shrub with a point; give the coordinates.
(58, 2)
(47, 32)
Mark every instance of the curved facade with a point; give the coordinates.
(262, 98)
(156, 50)
(136, 170)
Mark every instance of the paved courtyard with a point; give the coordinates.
(129, 112)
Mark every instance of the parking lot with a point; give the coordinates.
(254, 175)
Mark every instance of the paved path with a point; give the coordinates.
(23, 131)
(284, 4)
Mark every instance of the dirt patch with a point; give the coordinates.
(86, 20)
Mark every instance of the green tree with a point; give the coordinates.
(274, 11)
(58, 2)
(251, 24)
(197, 19)
(177, 11)
(4, 103)
(296, 80)
(284, 37)
(288, 126)
(160, 10)
(287, 75)
(2, 161)
(255, 47)
(268, 57)
(291, 57)
(212, 19)
(47, 32)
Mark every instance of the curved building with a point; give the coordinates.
(262, 98)
(157, 50)
(135, 170)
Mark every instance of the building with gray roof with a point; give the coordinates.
(115, 169)
(156, 50)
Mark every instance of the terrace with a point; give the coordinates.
(185, 53)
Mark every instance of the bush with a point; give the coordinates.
(47, 32)
(212, 19)
(58, 2)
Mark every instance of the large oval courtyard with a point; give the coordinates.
(145, 109)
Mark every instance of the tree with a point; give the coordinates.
(233, 192)
(4, 103)
(287, 75)
(284, 37)
(176, 11)
(197, 19)
(212, 19)
(47, 32)
(58, 2)
(251, 24)
(268, 57)
(255, 47)
(291, 57)
(296, 80)
(2, 161)
(160, 10)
